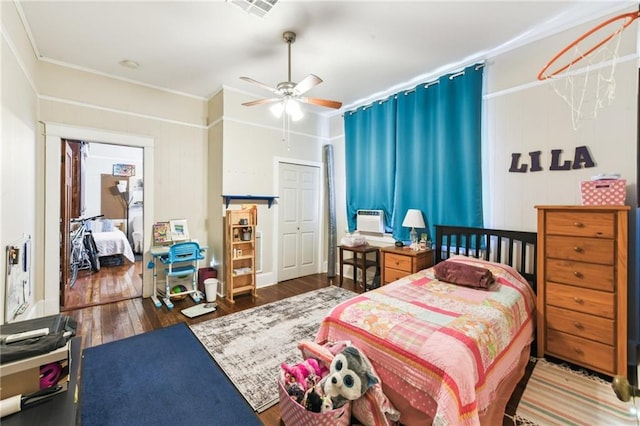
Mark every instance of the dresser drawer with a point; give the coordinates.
(592, 250)
(587, 275)
(396, 261)
(581, 351)
(581, 325)
(581, 224)
(584, 300)
(390, 275)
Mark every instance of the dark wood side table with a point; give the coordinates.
(398, 262)
(358, 261)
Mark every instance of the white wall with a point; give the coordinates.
(100, 160)
(85, 103)
(524, 115)
(254, 145)
(19, 173)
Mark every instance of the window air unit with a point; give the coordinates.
(370, 221)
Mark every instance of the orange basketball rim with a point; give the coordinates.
(626, 20)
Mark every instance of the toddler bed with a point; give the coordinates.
(447, 353)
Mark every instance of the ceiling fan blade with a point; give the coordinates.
(262, 101)
(321, 102)
(309, 82)
(264, 86)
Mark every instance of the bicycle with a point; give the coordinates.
(84, 252)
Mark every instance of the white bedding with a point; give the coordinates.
(114, 242)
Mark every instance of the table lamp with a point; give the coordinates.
(413, 220)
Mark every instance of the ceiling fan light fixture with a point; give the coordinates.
(289, 106)
(277, 109)
(293, 109)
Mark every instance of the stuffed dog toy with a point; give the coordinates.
(349, 377)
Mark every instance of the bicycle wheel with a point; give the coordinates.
(92, 252)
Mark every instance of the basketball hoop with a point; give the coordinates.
(588, 89)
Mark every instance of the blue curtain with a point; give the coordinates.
(370, 159)
(419, 149)
(438, 153)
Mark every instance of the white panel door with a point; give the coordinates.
(299, 205)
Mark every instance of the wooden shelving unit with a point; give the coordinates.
(240, 252)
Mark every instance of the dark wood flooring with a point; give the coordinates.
(110, 284)
(104, 323)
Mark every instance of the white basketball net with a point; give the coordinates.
(588, 84)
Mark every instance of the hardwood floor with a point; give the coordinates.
(112, 321)
(110, 284)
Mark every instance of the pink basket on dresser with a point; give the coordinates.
(604, 192)
(294, 414)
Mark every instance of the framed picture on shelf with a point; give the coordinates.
(179, 229)
(161, 233)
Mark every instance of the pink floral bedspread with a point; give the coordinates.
(452, 343)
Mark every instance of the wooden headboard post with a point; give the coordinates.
(490, 244)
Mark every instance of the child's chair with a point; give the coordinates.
(182, 260)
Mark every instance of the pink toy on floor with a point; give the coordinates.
(303, 369)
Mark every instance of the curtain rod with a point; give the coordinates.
(426, 86)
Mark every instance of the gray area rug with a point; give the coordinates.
(250, 345)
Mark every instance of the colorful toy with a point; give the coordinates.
(349, 377)
(327, 405)
(177, 289)
(295, 390)
(50, 375)
(304, 369)
(312, 400)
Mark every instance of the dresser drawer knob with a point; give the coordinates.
(578, 351)
(578, 274)
(578, 300)
(578, 224)
(578, 325)
(577, 249)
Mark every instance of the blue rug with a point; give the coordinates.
(163, 377)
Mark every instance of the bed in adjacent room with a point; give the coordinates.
(447, 352)
(111, 241)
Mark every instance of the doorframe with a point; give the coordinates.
(54, 133)
(322, 266)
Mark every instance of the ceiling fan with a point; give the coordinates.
(288, 90)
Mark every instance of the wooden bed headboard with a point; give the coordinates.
(514, 248)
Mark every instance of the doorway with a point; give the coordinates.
(299, 210)
(103, 179)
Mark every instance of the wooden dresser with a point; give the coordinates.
(398, 262)
(582, 286)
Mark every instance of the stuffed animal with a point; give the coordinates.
(327, 405)
(303, 370)
(349, 377)
(312, 400)
(295, 391)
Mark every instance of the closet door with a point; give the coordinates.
(299, 223)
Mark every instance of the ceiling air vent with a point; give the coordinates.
(258, 8)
